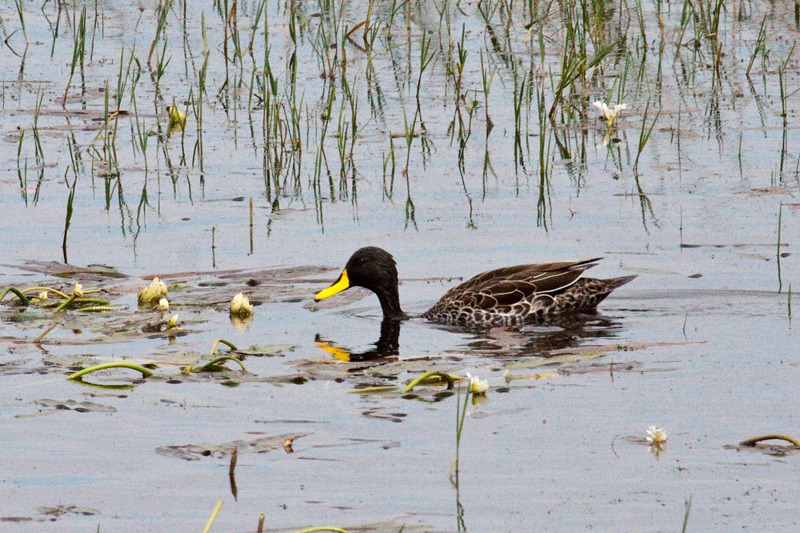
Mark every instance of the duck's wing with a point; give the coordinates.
(501, 289)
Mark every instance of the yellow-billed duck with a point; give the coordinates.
(506, 296)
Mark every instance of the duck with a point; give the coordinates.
(507, 296)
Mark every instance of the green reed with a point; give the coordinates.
(122, 81)
(393, 10)
(78, 50)
(782, 85)
(22, 176)
(426, 55)
(460, 62)
(461, 416)
(142, 133)
(341, 145)
(260, 12)
(543, 203)
(39, 151)
(162, 11)
(21, 15)
(162, 62)
(68, 219)
(778, 247)
(95, 25)
(486, 85)
(644, 136)
(107, 151)
(686, 514)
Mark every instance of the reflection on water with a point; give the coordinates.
(388, 345)
(541, 339)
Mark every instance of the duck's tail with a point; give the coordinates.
(586, 293)
(614, 283)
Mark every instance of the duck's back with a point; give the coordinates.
(523, 293)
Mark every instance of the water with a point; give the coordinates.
(701, 343)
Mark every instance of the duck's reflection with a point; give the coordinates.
(388, 345)
(546, 338)
(542, 339)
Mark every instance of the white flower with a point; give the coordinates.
(173, 322)
(240, 305)
(78, 292)
(153, 292)
(163, 304)
(477, 385)
(657, 435)
(43, 295)
(610, 113)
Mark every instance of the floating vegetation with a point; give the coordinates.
(214, 365)
(54, 406)
(76, 301)
(194, 452)
(433, 376)
(757, 444)
(105, 366)
(154, 292)
(223, 341)
(241, 306)
(20, 294)
(774, 436)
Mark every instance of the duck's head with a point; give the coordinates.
(372, 268)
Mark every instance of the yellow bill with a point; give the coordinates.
(341, 284)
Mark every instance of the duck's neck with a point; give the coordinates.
(390, 303)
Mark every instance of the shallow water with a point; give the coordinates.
(701, 343)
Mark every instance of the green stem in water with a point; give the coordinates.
(96, 309)
(92, 301)
(223, 341)
(146, 373)
(755, 440)
(65, 303)
(427, 375)
(16, 291)
(210, 365)
(48, 289)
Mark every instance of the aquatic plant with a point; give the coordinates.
(477, 385)
(241, 306)
(609, 113)
(656, 435)
(153, 292)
